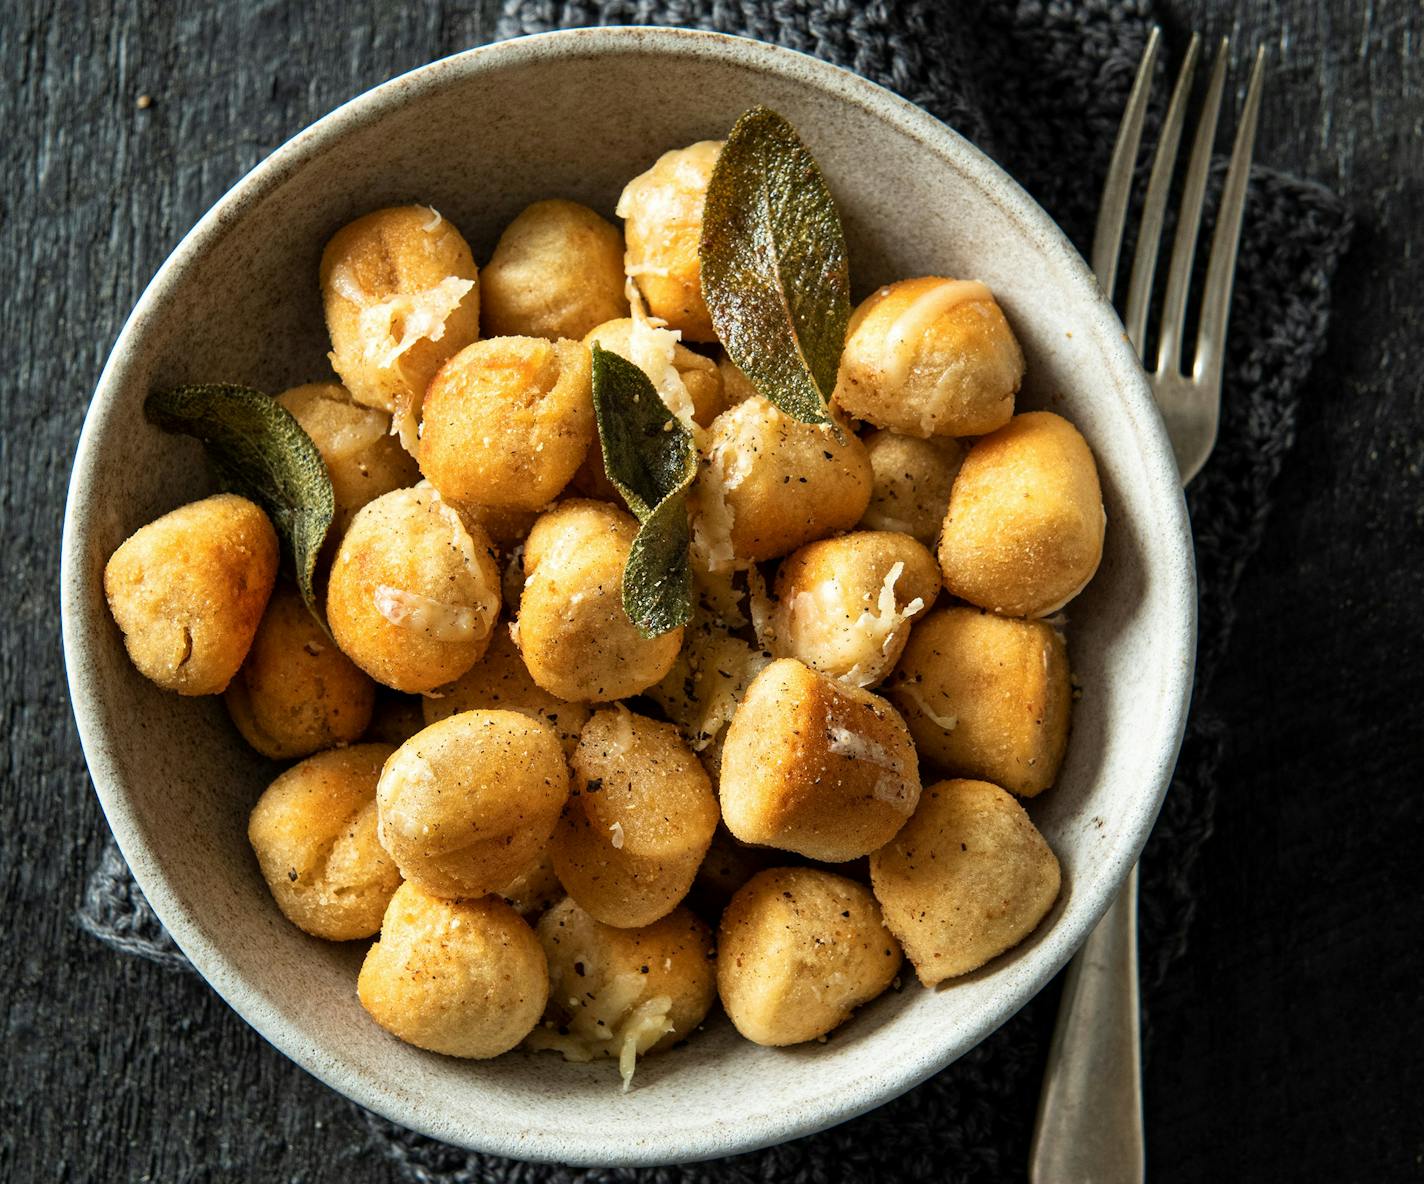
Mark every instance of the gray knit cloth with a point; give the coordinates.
(1040, 87)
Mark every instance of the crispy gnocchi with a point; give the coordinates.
(638, 821)
(362, 456)
(844, 605)
(798, 950)
(314, 833)
(401, 294)
(662, 222)
(1024, 531)
(575, 638)
(501, 681)
(556, 272)
(507, 422)
(188, 591)
(414, 592)
(770, 483)
(910, 483)
(987, 696)
(468, 804)
(296, 693)
(466, 978)
(623, 993)
(816, 766)
(634, 668)
(930, 357)
(968, 878)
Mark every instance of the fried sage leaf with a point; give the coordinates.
(651, 459)
(256, 448)
(775, 274)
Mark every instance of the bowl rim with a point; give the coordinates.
(834, 1104)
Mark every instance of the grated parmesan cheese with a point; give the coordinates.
(623, 737)
(437, 619)
(615, 1023)
(891, 786)
(915, 695)
(712, 520)
(850, 744)
(814, 625)
(418, 316)
(653, 349)
(763, 609)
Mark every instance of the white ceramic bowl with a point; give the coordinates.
(479, 136)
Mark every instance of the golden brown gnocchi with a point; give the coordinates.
(362, 458)
(576, 640)
(466, 978)
(968, 878)
(296, 693)
(557, 271)
(468, 804)
(816, 766)
(911, 483)
(1024, 531)
(638, 820)
(500, 680)
(798, 950)
(770, 483)
(401, 293)
(188, 591)
(662, 212)
(515, 767)
(987, 696)
(622, 993)
(414, 593)
(507, 422)
(314, 834)
(844, 605)
(930, 357)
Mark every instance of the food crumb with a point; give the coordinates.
(144, 102)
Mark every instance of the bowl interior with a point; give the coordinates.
(479, 137)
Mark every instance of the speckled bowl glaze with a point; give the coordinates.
(479, 136)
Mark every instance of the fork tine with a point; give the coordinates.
(1149, 237)
(1174, 308)
(1117, 187)
(1221, 268)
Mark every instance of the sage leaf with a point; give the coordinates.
(652, 461)
(257, 449)
(775, 273)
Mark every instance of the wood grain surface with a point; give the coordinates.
(1287, 1043)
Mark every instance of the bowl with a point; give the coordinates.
(479, 136)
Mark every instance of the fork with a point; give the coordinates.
(1089, 1125)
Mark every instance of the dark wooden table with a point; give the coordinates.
(1287, 1044)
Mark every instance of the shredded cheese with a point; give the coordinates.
(915, 695)
(763, 610)
(437, 619)
(903, 337)
(417, 316)
(623, 737)
(616, 1022)
(815, 626)
(891, 786)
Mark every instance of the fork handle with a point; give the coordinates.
(1089, 1127)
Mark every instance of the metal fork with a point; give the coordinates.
(1089, 1126)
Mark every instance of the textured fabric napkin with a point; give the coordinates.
(1039, 86)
